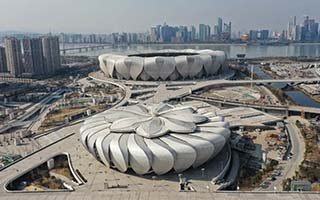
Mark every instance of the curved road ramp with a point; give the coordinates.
(54, 175)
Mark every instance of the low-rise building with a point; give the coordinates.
(300, 185)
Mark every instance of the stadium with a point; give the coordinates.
(156, 138)
(166, 65)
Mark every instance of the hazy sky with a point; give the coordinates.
(105, 16)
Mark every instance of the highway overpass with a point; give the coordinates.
(286, 110)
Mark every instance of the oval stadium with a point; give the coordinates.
(166, 65)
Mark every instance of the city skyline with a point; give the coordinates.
(131, 16)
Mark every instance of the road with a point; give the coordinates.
(298, 147)
(291, 165)
(30, 111)
(203, 84)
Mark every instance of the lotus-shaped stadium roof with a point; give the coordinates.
(163, 65)
(154, 138)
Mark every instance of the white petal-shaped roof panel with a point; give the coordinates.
(185, 154)
(163, 158)
(110, 66)
(152, 128)
(182, 66)
(204, 148)
(195, 64)
(178, 126)
(136, 67)
(207, 63)
(166, 66)
(127, 124)
(151, 68)
(99, 144)
(138, 156)
(118, 156)
(123, 66)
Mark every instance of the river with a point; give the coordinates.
(297, 96)
(251, 51)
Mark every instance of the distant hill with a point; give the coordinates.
(17, 33)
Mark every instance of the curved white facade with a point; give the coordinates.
(163, 65)
(154, 138)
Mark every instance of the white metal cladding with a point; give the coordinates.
(136, 67)
(154, 138)
(187, 64)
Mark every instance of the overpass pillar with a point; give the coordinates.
(303, 114)
(287, 112)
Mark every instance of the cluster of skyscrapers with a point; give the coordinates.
(115, 38)
(308, 30)
(180, 34)
(158, 34)
(255, 35)
(30, 57)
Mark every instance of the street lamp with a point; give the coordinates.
(180, 177)
(251, 76)
(153, 181)
(202, 172)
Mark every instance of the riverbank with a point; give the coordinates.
(315, 98)
(275, 76)
(278, 92)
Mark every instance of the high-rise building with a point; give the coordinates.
(51, 54)
(309, 29)
(208, 32)
(253, 35)
(153, 34)
(294, 20)
(33, 56)
(220, 24)
(14, 56)
(3, 60)
(264, 35)
(168, 33)
(92, 38)
(291, 26)
(216, 30)
(297, 33)
(193, 33)
(204, 32)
